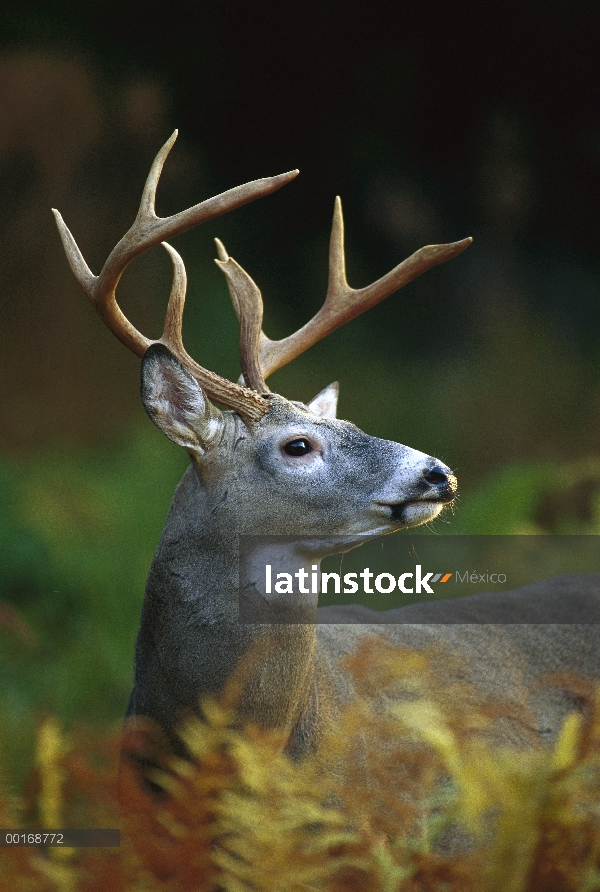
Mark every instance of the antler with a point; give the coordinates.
(148, 230)
(261, 356)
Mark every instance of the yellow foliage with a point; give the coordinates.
(408, 794)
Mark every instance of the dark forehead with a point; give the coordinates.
(286, 414)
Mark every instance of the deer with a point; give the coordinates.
(264, 466)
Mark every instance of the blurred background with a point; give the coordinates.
(433, 122)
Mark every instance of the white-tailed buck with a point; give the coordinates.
(269, 467)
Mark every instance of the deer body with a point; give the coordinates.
(274, 467)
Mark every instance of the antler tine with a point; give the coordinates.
(248, 305)
(149, 230)
(172, 331)
(342, 302)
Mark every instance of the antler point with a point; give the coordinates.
(463, 244)
(170, 250)
(222, 252)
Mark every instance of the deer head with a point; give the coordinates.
(290, 451)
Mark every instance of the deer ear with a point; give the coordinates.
(176, 403)
(325, 403)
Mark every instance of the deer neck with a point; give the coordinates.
(191, 625)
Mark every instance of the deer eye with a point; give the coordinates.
(298, 447)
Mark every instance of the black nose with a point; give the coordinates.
(436, 475)
(444, 481)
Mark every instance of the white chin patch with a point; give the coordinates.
(416, 513)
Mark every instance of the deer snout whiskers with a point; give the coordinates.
(441, 481)
(420, 496)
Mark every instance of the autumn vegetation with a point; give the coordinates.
(409, 794)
